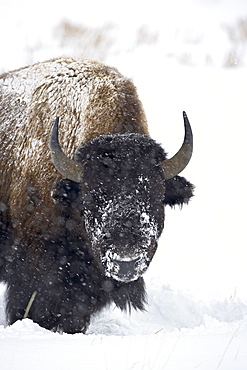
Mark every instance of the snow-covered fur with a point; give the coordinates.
(68, 249)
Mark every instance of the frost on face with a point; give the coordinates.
(124, 269)
(148, 226)
(124, 210)
(122, 236)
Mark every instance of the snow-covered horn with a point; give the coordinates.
(179, 161)
(68, 168)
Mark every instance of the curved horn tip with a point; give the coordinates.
(54, 135)
(56, 123)
(67, 167)
(185, 117)
(188, 135)
(173, 166)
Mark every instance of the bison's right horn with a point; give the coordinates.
(173, 166)
(68, 168)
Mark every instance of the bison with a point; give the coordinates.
(81, 201)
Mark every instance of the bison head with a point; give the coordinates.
(123, 185)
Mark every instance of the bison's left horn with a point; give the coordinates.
(179, 161)
(68, 168)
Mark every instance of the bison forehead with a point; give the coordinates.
(121, 147)
(119, 163)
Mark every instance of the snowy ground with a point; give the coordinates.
(189, 55)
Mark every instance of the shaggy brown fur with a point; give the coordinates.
(90, 98)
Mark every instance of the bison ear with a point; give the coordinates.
(178, 191)
(66, 193)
